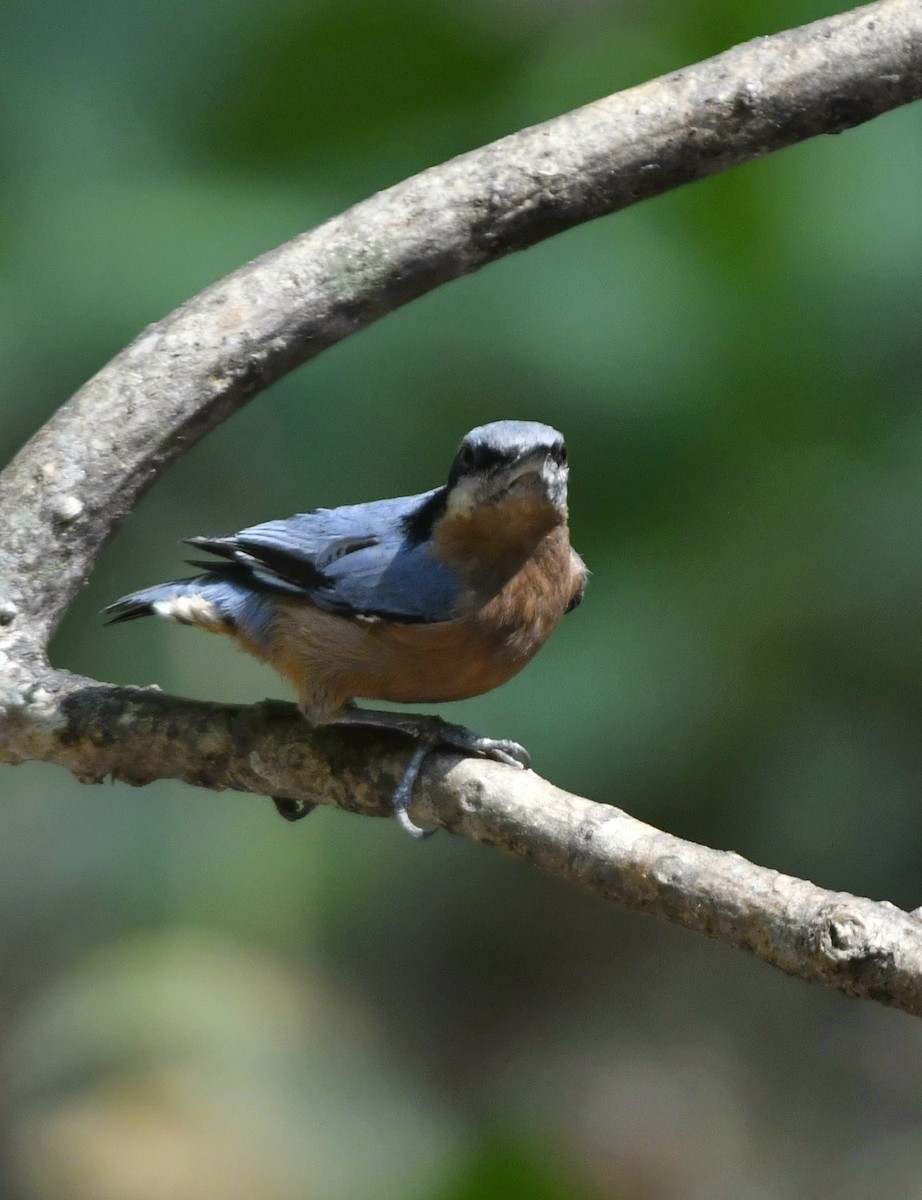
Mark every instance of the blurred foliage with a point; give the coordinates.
(198, 1000)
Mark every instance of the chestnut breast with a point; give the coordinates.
(513, 598)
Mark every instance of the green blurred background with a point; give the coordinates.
(200, 1001)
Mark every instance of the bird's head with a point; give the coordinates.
(509, 461)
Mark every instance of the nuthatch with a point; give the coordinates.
(421, 599)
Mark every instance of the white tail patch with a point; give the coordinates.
(189, 610)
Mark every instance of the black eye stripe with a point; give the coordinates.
(480, 458)
(474, 456)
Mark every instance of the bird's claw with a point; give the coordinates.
(455, 737)
(430, 733)
(404, 793)
(292, 810)
(501, 750)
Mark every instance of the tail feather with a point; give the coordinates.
(141, 604)
(213, 601)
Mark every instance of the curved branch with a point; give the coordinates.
(861, 947)
(68, 490)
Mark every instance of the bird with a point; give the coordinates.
(420, 599)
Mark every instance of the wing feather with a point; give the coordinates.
(358, 560)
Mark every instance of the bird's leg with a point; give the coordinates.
(431, 729)
(429, 732)
(404, 793)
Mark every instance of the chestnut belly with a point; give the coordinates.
(332, 659)
(433, 663)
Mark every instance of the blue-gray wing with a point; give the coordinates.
(359, 560)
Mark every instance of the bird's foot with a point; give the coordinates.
(292, 810)
(431, 732)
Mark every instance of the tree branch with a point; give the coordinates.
(139, 735)
(68, 490)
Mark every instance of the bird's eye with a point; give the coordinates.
(468, 457)
(560, 455)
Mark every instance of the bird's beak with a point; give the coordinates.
(552, 476)
(535, 463)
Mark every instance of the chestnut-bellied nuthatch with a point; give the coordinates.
(421, 599)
